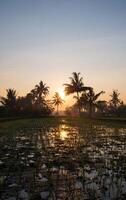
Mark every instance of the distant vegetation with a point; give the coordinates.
(36, 104)
(33, 104)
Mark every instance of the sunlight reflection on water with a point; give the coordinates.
(63, 132)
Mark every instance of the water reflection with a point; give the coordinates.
(64, 162)
(63, 133)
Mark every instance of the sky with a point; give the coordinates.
(49, 39)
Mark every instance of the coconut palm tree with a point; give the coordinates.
(115, 101)
(57, 101)
(89, 100)
(42, 91)
(76, 86)
(33, 94)
(10, 100)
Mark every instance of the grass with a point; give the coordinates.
(26, 123)
(15, 124)
(116, 119)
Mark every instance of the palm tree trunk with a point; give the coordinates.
(78, 103)
(57, 110)
(90, 110)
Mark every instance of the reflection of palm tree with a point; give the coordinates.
(76, 86)
(90, 100)
(57, 101)
(10, 100)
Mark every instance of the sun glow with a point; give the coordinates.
(62, 93)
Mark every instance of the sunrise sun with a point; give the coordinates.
(62, 93)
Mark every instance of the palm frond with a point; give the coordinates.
(83, 89)
(97, 95)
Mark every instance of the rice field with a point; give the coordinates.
(62, 159)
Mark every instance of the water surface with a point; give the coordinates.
(64, 162)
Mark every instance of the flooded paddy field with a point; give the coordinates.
(63, 161)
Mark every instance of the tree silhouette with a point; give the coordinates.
(115, 101)
(9, 101)
(40, 92)
(89, 100)
(35, 102)
(76, 86)
(57, 101)
(102, 107)
(25, 104)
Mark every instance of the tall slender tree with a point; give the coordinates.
(76, 86)
(57, 101)
(42, 91)
(115, 101)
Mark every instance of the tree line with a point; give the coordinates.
(36, 103)
(87, 102)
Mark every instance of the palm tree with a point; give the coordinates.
(57, 101)
(10, 100)
(115, 101)
(89, 100)
(76, 86)
(41, 91)
(33, 95)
